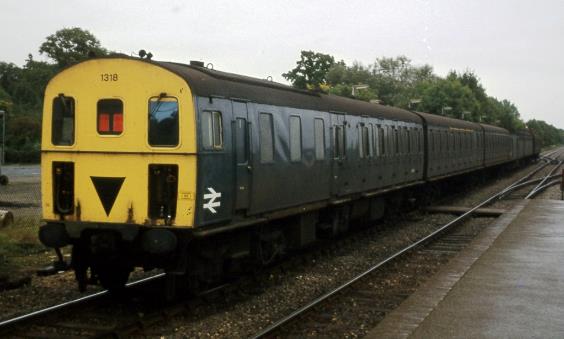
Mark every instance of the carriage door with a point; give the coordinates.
(241, 148)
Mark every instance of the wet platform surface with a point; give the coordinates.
(508, 283)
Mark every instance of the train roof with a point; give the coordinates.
(524, 132)
(213, 83)
(209, 83)
(494, 129)
(439, 120)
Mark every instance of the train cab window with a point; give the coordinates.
(295, 139)
(212, 130)
(163, 121)
(62, 123)
(339, 141)
(319, 138)
(266, 138)
(110, 116)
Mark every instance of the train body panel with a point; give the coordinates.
(497, 145)
(454, 146)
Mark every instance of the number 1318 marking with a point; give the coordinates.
(109, 77)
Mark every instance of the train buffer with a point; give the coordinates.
(508, 283)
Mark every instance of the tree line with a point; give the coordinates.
(390, 81)
(22, 88)
(397, 82)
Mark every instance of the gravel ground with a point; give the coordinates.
(279, 290)
(357, 309)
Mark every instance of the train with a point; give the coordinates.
(201, 172)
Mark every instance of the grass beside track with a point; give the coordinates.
(19, 245)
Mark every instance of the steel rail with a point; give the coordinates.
(274, 326)
(541, 183)
(90, 297)
(526, 177)
(547, 185)
(524, 184)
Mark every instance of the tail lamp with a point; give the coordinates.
(163, 191)
(63, 187)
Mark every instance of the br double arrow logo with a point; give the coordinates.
(211, 202)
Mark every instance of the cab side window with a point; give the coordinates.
(62, 123)
(163, 121)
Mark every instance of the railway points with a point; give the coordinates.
(506, 284)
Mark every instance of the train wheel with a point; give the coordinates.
(79, 263)
(113, 278)
(271, 245)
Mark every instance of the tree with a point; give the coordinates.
(22, 89)
(548, 134)
(396, 82)
(441, 93)
(311, 70)
(71, 45)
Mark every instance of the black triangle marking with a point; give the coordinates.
(108, 190)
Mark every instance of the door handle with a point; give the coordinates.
(249, 167)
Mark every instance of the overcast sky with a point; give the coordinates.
(515, 47)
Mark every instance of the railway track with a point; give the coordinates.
(334, 308)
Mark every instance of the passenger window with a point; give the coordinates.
(369, 144)
(163, 121)
(396, 140)
(364, 141)
(339, 138)
(62, 122)
(389, 141)
(319, 135)
(266, 138)
(241, 138)
(212, 130)
(110, 116)
(407, 140)
(295, 139)
(375, 139)
(381, 142)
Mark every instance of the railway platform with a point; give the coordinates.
(508, 283)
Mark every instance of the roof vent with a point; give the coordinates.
(196, 63)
